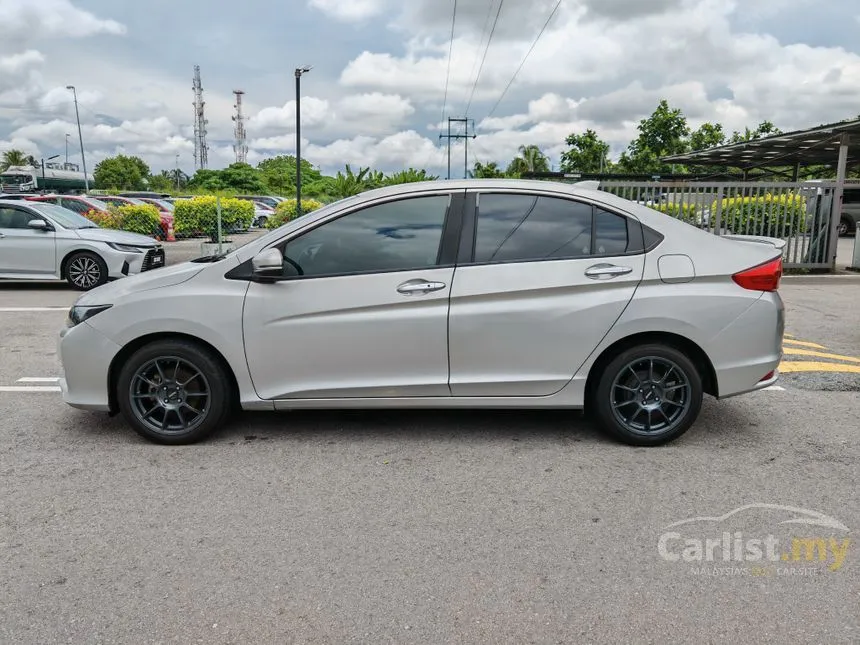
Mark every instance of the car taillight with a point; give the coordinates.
(764, 277)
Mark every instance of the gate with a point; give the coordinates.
(799, 213)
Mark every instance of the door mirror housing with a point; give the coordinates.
(39, 225)
(268, 265)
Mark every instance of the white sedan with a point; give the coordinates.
(41, 241)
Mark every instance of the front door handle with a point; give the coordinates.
(2, 236)
(606, 271)
(417, 287)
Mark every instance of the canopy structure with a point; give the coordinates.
(815, 146)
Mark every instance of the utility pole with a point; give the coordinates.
(240, 147)
(201, 150)
(81, 137)
(67, 149)
(299, 72)
(465, 136)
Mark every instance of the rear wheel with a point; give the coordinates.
(85, 271)
(648, 395)
(174, 392)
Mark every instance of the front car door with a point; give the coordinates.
(362, 309)
(541, 280)
(25, 250)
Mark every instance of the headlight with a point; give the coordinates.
(80, 313)
(128, 248)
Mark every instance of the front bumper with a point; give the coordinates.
(86, 355)
(121, 264)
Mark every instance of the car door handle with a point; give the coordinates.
(2, 236)
(606, 271)
(419, 286)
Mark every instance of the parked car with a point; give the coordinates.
(166, 211)
(478, 293)
(850, 211)
(42, 241)
(268, 200)
(262, 213)
(80, 204)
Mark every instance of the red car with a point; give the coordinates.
(78, 203)
(165, 211)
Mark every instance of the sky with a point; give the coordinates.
(382, 82)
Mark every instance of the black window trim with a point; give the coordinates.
(466, 256)
(446, 257)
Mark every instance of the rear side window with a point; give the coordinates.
(850, 196)
(513, 228)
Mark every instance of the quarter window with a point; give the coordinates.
(396, 236)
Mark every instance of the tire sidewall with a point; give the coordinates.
(102, 265)
(602, 403)
(219, 395)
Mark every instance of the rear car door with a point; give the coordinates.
(540, 281)
(362, 309)
(23, 249)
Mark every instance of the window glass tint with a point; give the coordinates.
(851, 196)
(611, 235)
(523, 227)
(13, 218)
(396, 236)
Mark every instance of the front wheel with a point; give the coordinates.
(174, 392)
(648, 395)
(85, 271)
(843, 228)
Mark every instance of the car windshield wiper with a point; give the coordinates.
(211, 258)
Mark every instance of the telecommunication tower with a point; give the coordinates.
(240, 147)
(201, 149)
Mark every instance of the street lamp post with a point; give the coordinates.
(67, 149)
(81, 137)
(299, 72)
(43, 169)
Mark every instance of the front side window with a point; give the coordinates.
(395, 236)
(14, 218)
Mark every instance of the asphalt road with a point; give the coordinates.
(428, 527)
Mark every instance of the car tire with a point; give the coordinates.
(174, 392)
(648, 395)
(86, 271)
(844, 227)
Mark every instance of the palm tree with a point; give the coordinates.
(489, 170)
(16, 158)
(408, 176)
(530, 159)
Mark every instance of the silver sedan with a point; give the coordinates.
(491, 294)
(41, 241)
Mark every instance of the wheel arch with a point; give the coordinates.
(132, 346)
(64, 263)
(690, 349)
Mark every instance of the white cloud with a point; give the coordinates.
(314, 112)
(349, 10)
(34, 19)
(392, 108)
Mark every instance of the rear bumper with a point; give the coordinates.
(86, 355)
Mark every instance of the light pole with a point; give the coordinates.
(299, 72)
(81, 137)
(43, 169)
(67, 149)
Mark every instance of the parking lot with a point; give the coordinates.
(427, 527)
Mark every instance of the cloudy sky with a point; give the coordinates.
(375, 95)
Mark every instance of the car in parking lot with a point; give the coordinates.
(80, 204)
(165, 211)
(480, 293)
(850, 211)
(43, 241)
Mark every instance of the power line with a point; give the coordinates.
(487, 49)
(481, 44)
(525, 58)
(448, 73)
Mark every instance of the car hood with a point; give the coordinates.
(109, 293)
(119, 237)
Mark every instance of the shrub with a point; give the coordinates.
(768, 214)
(199, 216)
(140, 218)
(286, 211)
(110, 219)
(682, 211)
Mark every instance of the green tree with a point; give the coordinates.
(237, 177)
(530, 159)
(16, 158)
(587, 153)
(279, 174)
(489, 170)
(408, 176)
(121, 173)
(764, 129)
(709, 135)
(662, 134)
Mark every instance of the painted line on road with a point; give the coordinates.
(773, 388)
(30, 388)
(39, 379)
(15, 310)
(793, 351)
(802, 343)
(814, 366)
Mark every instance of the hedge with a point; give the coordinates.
(134, 218)
(286, 211)
(682, 211)
(199, 216)
(776, 215)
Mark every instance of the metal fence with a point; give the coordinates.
(799, 213)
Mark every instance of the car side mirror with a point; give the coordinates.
(38, 224)
(268, 264)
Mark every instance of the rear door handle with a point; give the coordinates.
(606, 271)
(417, 287)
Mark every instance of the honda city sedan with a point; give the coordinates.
(42, 241)
(456, 294)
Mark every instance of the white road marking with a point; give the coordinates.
(28, 309)
(774, 388)
(30, 388)
(38, 379)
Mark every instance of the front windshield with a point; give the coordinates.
(15, 180)
(99, 204)
(163, 204)
(62, 216)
